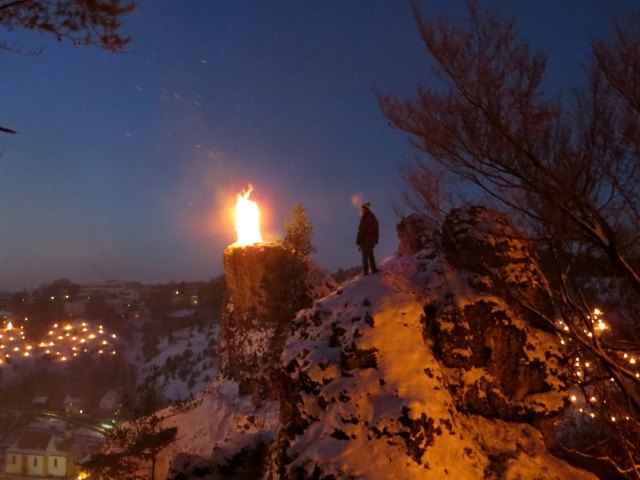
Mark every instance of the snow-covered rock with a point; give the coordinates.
(502, 359)
(432, 368)
(414, 234)
(428, 370)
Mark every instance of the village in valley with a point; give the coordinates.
(66, 384)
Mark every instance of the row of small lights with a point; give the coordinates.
(599, 327)
(67, 332)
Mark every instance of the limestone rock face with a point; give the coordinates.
(484, 242)
(412, 234)
(244, 269)
(430, 369)
(487, 326)
(479, 239)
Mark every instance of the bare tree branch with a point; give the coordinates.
(569, 170)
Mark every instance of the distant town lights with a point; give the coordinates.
(68, 344)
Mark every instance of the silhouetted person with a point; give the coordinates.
(367, 238)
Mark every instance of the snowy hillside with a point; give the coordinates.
(221, 425)
(186, 360)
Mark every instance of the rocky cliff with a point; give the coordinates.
(267, 285)
(432, 369)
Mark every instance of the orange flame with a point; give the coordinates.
(247, 220)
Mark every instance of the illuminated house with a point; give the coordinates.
(73, 406)
(186, 295)
(38, 454)
(110, 401)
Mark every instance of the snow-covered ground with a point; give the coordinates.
(220, 425)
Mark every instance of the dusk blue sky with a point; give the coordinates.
(126, 165)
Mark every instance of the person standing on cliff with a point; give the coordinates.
(367, 238)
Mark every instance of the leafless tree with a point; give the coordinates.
(568, 168)
(83, 22)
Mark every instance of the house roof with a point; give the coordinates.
(34, 440)
(37, 442)
(73, 399)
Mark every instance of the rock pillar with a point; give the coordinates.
(245, 269)
(266, 285)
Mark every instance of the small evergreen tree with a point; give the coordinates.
(299, 232)
(285, 281)
(132, 449)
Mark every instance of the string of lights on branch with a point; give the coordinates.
(593, 402)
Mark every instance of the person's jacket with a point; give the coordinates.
(367, 230)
